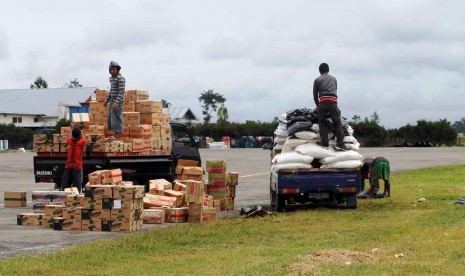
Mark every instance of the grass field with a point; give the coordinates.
(394, 236)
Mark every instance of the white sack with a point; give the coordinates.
(292, 143)
(350, 139)
(291, 157)
(306, 135)
(286, 149)
(355, 146)
(315, 128)
(342, 156)
(281, 130)
(350, 130)
(278, 147)
(280, 140)
(278, 167)
(348, 164)
(314, 150)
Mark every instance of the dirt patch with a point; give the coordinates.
(311, 264)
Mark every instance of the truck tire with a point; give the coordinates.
(351, 201)
(280, 203)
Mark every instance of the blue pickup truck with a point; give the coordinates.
(314, 186)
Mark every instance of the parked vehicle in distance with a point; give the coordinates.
(217, 145)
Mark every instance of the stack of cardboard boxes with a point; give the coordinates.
(221, 184)
(147, 130)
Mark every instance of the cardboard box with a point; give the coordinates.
(97, 118)
(101, 95)
(96, 214)
(209, 213)
(132, 204)
(129, 106)
(165, 131)
(15, 199)
(98, 191)
(67, 224)
(91, 224)
(95, 178)
(149, 106)
(129, 192)
(127, 214)
(190, 170)
(121, 225)
(46, 147)
(136, 95)
(176, 215)
(195, 212)
(232, 178)
(96, 130)
(72, 213)
(156, 131)
(193, 177)
(218, 191)
(29, 219)
(111, 176)
(160, 183)
(187, 163)
(73, 200)
(158, 201)
(217, 179)
(66, 131)
(140, 132)
(131, 118)
(216, 166)
(194, 191)
(58, 138)
(178, 186)
(47, 222)
(138, 145)
(81, 119)
(53, 211)
(152, 216)
(97, 107)
(178, 195)
(96, 203)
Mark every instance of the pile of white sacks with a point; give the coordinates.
(300, 152)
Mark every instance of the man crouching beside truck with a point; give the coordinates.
(374, 170)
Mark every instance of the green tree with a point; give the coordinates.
(17, 136)
(39, 83)
(63, 122)
(210, 101)
(165, 103)
(222, 115)
(369, 133)
(73, 84)
(459, 126)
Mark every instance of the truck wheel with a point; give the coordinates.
(280, 203)
(351, 201)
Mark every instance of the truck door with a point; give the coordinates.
(184, 146)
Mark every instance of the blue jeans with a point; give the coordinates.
(73, 176)
(331, 108)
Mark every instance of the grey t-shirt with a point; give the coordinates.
(325, 86)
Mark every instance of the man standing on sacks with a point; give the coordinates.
(325, 97)
(116, 100)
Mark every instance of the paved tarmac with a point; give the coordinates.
(16, 174)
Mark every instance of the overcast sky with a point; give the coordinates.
(403, 59)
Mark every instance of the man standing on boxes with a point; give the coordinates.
(73, 168)
(116, 99)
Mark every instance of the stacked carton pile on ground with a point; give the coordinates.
(107, 204)
(147, 129)
(221, 184)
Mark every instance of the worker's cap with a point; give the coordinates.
(115, 65)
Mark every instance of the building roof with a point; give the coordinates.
(44, 101)
(181, 113)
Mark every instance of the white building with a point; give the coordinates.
(38, 108)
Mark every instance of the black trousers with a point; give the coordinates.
(73, 176)
(331, 108)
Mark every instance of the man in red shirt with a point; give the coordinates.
(73, 168)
